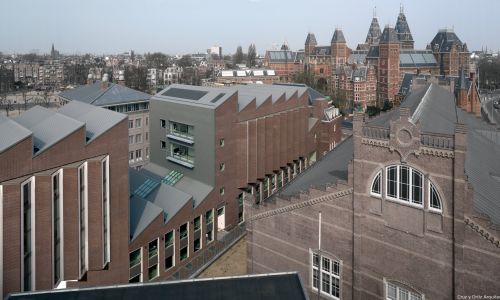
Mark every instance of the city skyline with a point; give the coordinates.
(115, 27)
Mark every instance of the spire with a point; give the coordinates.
(401, 8)
(374, 32)
(374, 12)
(403, 30)
(311, 39)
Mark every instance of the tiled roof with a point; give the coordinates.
(444, 40)
(311, 39)
(374, 32)
(338, 36)
(389, 35)
(402, 28)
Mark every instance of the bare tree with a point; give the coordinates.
(252, 55)
(6, 103)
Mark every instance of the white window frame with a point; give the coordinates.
(173, 250)
(321, 271)
(61, 224)
(106, 209)
(81, 272)
(157, 259)
(187, 236)
(141, 279)
(411, 295)
(378, 174)
(431, 186)
(33, 241)
(410, 192)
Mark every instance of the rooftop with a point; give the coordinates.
(113, 94)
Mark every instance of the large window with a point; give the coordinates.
(325, 275)
(405, 184)
(28, 236)
(209, 219)
(181, 152)
(57, 196)
(135, 265)
(434, 200)
(395, 292)
(169, 250)
(105, 211)
(181, 130)
(153, 259)
(83, 218)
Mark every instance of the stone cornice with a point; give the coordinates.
(482, 231)
(437, 152)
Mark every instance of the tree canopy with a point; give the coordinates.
(238, 56)
(252, 55)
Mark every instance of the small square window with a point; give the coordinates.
(221, 142)
(222, 167)
(222, 191)
(163, 123)
(163, 144)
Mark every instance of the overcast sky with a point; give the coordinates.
(190, 26)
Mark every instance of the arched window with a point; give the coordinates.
(434, 200)
(404, 183)
(396, 292)
(376, 184)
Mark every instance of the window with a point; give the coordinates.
(130, 124)
(197, 223)
(376, 184)
(163, 123)
(153, 259)
(169, 250)
(181, 152)
(434, 200)
(221, 142)
(184, 253)
(196, 245)
(130, 139)
(405, 184)
(325, 275)
(209, 218)
(131, 155)
(138, 154)
(222, 191)
(138, 138)
(137, 123)
(56, 227)
(395, 292)
(181, 130)
(28, 235)
(147, 136)
(240, 208)
(135, 265)
(105, 212)
(147, 121)
(83, 218)
(183, 231)
(222, 167)
(163, 145)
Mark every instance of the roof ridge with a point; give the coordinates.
(110, 84)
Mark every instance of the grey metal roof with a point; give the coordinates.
(11, 133)
(357, 57)
(338, 36)
(323, 50)
(277, 286)
(389, 35)
(444, 40)
(373, 52)
(141, 214)
(312, 93)
(48, 127)
(417, 59)
(98, 120)
(311, 39)
(402, 28)
(114, 94)
(374, 32)
(284, 56)
(332, 167)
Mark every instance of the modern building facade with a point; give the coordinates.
(210, 146)
(407, 208)
(119, 98)
(63, 198)
(231, 77)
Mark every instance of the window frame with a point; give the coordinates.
(60, 199)
(106, 209)
(32, 183)
(173, 249)
(432, 187)
(81, 271)
(398, 182)
(330, 272)
(140, 263)
(411, 293)
(378, 176)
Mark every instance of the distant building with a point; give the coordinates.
(217, 50)
(120, 98)
(451, 54)
(230, 77)
(172, 75)
(286, 63)
(6, 80)
(63, 198)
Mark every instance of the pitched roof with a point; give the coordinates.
(374, 32)
(11, 133)
(389, 35)
(338, 36)
(402, 28)
(284, 56)
(322, 50)
(95, 94)
(48, 127)
(417, 58)
(279, 286)
(97, 120)
(311, 39)
(444, 40)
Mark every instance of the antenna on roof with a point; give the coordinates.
(401, 8)
(375, 12)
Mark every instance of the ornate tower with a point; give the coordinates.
(374, 31)
(403, 31)
(388, 65)
(339, 49)
(310, 44)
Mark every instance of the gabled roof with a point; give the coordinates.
(97, 120)
(323, 50)
(48, 127)
(338, 36)
(311, 39)
(113, 94)
(402, 28)
(278, 286)
(444, 40)
(389, 35)
(374, 32)
(11, 133)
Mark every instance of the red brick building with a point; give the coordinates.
(286, 63)
(63, 198)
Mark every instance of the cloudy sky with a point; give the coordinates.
(190, 26)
